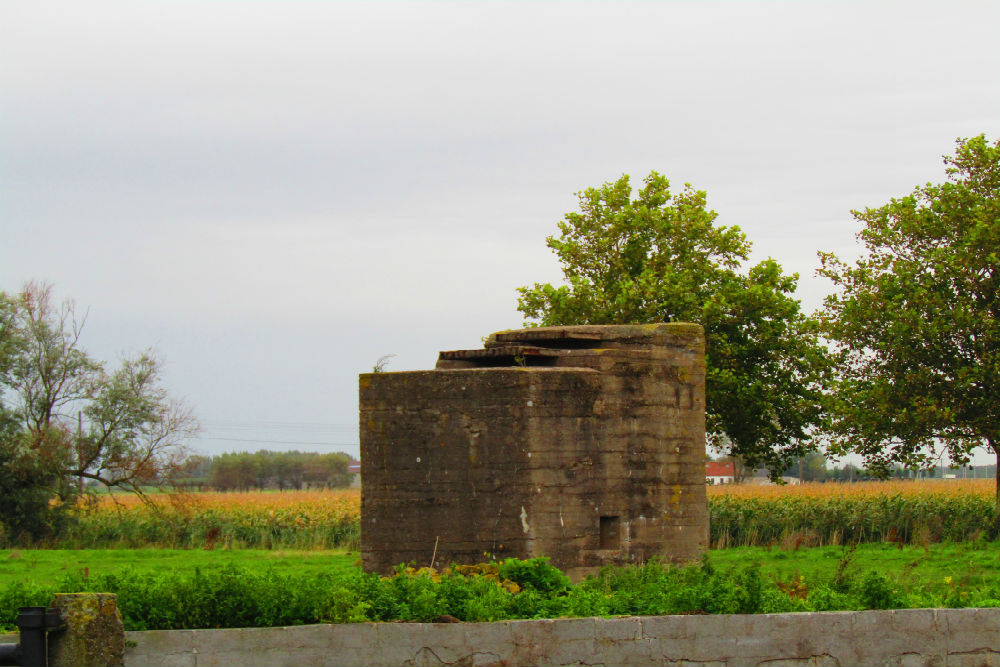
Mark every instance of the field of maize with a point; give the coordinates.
(322, 519)
(814, 514)
(906, 512)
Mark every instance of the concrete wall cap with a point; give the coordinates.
(639, 333)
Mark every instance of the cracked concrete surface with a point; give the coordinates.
(927, 637)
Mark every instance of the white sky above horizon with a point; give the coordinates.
(276, 194)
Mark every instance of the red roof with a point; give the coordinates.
(719, 469)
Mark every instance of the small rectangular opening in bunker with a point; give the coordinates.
(610, 532)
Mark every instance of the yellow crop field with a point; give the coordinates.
(321, 519)
(904, 487)
(817, 514)
(314, 504)
(801, 515)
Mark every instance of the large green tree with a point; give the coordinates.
(659, 257)
(917, 321)
(65, 418)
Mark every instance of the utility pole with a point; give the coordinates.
(79, 449)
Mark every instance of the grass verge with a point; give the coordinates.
(165, 589)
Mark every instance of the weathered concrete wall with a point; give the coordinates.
(583, 444)
(939, 637)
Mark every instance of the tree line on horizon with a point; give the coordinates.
(814, 467)
(264, 469)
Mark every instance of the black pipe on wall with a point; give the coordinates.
(34, 623)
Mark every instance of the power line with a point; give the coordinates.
(282, 442)
(279, 425)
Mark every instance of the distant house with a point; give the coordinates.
(720, 472)
(354, 469)
(762, 477)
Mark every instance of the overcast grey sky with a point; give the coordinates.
(275, 194)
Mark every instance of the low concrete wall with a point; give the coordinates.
(939, 637)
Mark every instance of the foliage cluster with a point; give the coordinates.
(912, 369)
(264, 469)
(67, 418)
(509, 589)
(660, 257)
(916, 321)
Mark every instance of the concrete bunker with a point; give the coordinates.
(585, 444)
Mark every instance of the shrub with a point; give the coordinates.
(238, 597)
(876, 592)
(535, 573)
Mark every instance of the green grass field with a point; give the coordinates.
(49, 566)
(935, 567)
